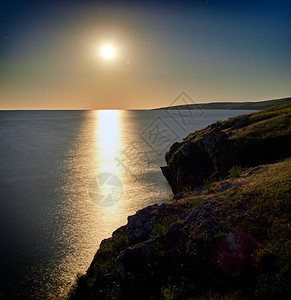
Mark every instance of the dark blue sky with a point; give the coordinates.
(213, 50)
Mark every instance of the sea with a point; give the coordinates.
(68, 179)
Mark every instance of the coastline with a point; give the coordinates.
(184, 235)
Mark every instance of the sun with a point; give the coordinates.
(108, 52)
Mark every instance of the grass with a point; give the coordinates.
(207, 182)
(235, 171)
(266, 202)
(161, 228)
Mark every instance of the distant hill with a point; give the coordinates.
(233, 105)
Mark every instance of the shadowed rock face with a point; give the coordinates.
(244, 141)
(140, 225)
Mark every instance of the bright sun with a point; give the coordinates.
(108, 51)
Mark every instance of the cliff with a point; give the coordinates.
(224, 239)
(246, 140)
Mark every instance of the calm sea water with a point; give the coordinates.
(70, 178)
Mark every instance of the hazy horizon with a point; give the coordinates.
(151, 108)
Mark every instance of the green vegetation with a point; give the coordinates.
(159, 229)
(187, 188)
(170, 293)
(235, 171)
(198, 202)
(208, 182)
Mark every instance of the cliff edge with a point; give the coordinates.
(247, 140)
(223, 239)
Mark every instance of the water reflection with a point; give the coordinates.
(50, 228)
(109, 175)
(107, 188)
(108, 140)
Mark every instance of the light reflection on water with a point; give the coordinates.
(108, 139)
(99, 149)
(50, 227)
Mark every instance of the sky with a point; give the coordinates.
(228, 50)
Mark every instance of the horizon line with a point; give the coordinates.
(92, 109)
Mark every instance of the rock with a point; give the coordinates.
(162, 208)
(252, 172)
(131, 260)
(147, 247)
(168, 176)
(186, 149)
(172, 150)
(224, 187)
(212, 151)
(192, 216)
(180, 195)
(210, 143)
(140, 225)
(134, 260)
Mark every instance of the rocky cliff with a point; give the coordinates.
(223, 239)
(246, 140)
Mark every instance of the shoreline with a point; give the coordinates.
(159, 240)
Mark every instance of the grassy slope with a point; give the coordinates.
(258, 203)
(262, 137)
(233, 105)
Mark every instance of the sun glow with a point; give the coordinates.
(108, 52)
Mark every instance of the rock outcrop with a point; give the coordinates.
(245, 141)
